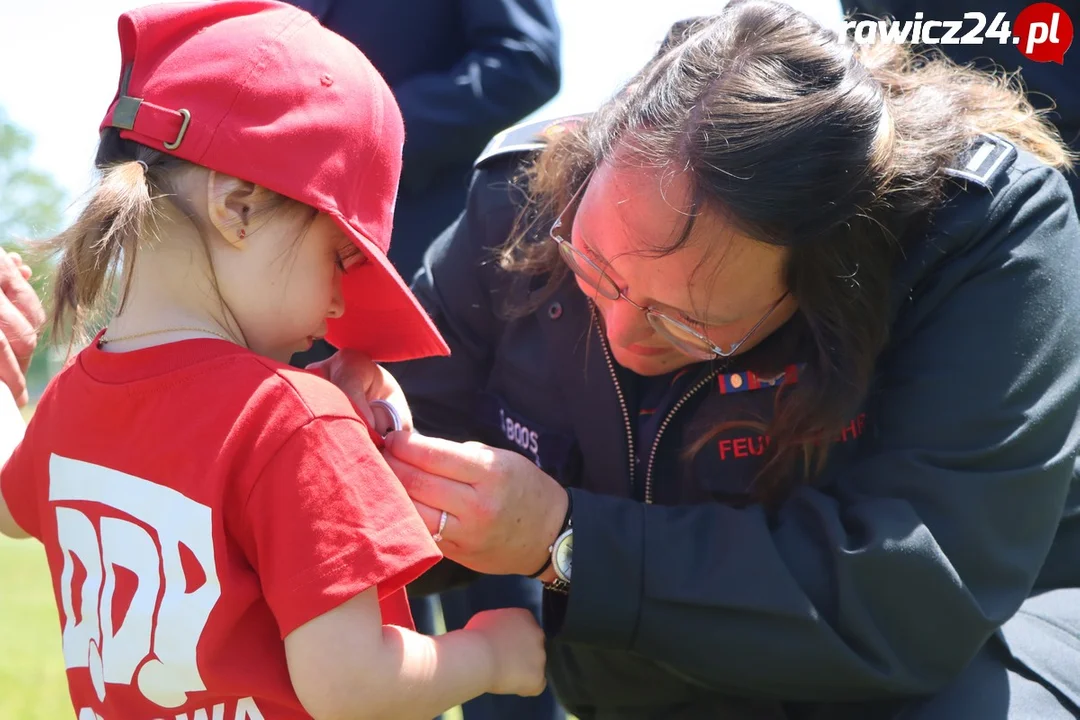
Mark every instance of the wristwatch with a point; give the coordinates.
(560, 552)
(562, 559)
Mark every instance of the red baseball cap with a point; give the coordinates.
(259, 90)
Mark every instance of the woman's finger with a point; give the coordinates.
(451, 530)
(353, 372)
(14, 286)
(11, 374)
(467, 463)
(433, 490)
(429, 515)
(326, 370)
(20, 335)
(320, 368)
(25, 269)
(432, 517)
(391, 391)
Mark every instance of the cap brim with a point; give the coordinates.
(382, 318)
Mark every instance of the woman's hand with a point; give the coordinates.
(21, 316)
(363, 381)
(503, 512)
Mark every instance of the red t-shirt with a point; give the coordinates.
(197, 503)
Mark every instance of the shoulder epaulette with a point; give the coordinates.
(526, 137)
(980, 162)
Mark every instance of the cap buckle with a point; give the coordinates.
(128, 107)
(183, 130)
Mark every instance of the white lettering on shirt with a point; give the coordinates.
(245, 709)
(159, 633)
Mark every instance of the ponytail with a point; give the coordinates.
(107, 233)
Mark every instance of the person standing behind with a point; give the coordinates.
(462, 71)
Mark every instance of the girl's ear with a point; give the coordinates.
(230, 202)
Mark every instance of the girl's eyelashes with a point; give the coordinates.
(349, 256)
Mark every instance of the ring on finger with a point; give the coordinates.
(437, 537)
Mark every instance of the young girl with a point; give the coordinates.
(224, 537)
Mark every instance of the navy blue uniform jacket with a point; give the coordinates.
(461, 70)
(948, 515)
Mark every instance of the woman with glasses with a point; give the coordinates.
(770, 371)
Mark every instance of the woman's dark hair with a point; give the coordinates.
(802, 140)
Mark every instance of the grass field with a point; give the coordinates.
(32, 684)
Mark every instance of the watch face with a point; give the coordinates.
(564, 555)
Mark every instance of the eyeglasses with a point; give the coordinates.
(678, 333)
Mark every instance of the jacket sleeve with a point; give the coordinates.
(512, 67)
(888, 580)
(457, 287)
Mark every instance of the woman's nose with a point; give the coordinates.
(625, 324)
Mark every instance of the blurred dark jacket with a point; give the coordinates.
(462, 70)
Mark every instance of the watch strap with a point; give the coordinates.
(564, 528)
(558, 585)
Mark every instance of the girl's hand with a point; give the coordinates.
(517, 647)
(363, 381)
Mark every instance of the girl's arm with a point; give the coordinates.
(8, 526)
(329, 529)
(347, 665)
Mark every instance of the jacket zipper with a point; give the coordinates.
(663, 426)
(622, 400)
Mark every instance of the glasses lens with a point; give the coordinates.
(588, 271)
(682, 336)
